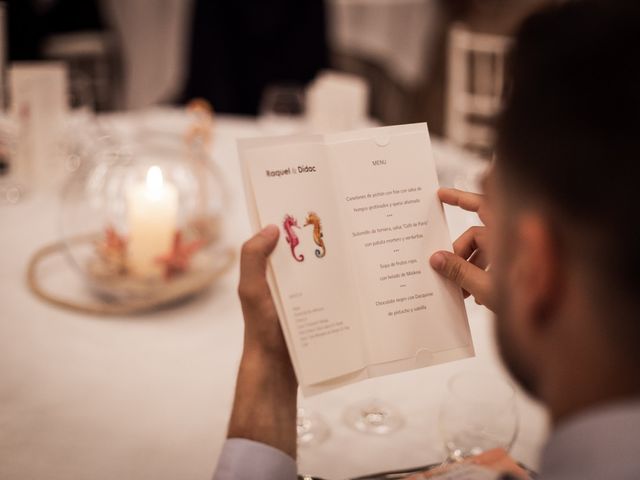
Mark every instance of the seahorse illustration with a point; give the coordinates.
(292, 238)
(314, 219)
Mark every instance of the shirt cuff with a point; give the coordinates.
(243, 459)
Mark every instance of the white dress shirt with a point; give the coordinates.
(243, 459)
(599, 444)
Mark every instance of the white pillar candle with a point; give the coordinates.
(152, 212)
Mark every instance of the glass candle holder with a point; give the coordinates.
(142, 217)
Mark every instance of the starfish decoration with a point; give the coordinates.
(113, 241)
(112, 249)
(178, 259)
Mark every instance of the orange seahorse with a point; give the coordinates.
(314, 219)
(292, 238)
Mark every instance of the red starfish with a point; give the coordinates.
(113, 241)
(112, 250)
(177, 260)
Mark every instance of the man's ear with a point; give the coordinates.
(538, 269)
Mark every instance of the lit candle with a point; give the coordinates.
(152, 210)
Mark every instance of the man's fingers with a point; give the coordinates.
(464, 274)
(472, 202)
(466, 200)
(479, 259)
(471, 240)
(253, 263)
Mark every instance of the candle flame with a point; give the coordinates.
(154, 179)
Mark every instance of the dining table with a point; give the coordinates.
(148, 395)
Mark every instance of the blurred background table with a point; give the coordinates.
(148, 396)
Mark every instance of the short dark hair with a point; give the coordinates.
(569, 133)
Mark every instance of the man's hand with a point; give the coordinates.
(262, 332)
(468, 263)
(264, 409)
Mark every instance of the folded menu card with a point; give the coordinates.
(359, 217)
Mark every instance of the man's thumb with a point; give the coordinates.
(464, 274)
(255, 251)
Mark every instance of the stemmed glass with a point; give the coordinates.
(310, 426)
(373, 416)
(282, 109)
(478, 414)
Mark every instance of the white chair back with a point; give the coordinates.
(475, 86)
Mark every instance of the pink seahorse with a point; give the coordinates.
(292, 238)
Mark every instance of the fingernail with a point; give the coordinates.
(269, 231)
(438, 261)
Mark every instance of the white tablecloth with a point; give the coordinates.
(148, 397)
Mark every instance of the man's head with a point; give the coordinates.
(566, 246)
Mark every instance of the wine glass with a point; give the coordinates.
(373, 416)
(478, 414)
(282, 109)
(311, 427)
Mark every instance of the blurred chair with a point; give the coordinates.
(153, 38)
(91, 57)
(475, 87)
(398, 35)
(393, 44)
(72, 31)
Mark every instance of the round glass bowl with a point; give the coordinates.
(141, 217)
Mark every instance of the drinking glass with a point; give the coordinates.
(373, 416)
(311, 428)
(478, 414)
(282, 109)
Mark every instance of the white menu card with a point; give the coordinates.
(39, 105)
(359, 217)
